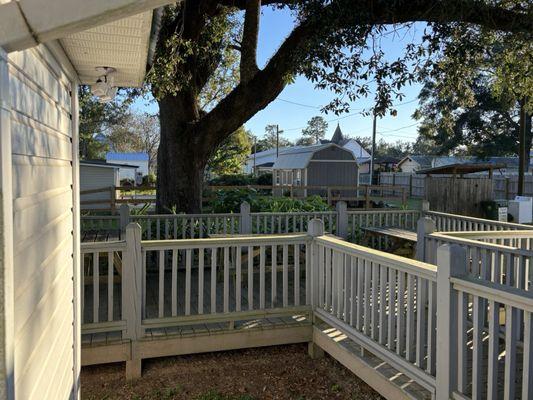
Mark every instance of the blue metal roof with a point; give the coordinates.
(127, 156)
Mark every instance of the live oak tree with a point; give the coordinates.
(230, 156)
(335, 44)
(480, 96)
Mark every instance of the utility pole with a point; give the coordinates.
(277, 140)
(255, 152)
(522, 149)
(373, 148)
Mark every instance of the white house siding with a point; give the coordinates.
(95, 177)
(409, 166)
(43, 186)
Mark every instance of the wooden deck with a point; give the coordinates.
(100, 235)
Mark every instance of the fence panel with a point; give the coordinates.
(220, 279)
(101, 290)
(384, 301)
(277, 223)
(186, 226)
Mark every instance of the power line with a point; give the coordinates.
(299, 104)
(356, 112)
(399, 129)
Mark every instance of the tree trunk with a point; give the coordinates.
(181, 160)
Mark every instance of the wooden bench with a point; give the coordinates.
(403, 242)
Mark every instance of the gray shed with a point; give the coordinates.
(317, 165)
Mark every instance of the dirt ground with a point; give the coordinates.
(281, 372)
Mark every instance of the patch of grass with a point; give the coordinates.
(336, 388)
(213, 395)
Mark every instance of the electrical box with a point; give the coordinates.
(521, 208)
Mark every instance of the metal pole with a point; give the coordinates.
(373, 149)
(522, 149)
(277, 141)
(255, 152)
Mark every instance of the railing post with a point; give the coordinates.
(132, 296)
(246, 219)
(124, 213)
(451, 262)
(315, 228)
(425, 206)
(342, 219)
(425, 226)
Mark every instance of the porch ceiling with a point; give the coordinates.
(122, 44)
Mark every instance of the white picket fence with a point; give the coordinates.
(387, 304)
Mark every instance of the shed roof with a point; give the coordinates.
(461, 168)
(105, 164)
(298, 158)
(127, 156)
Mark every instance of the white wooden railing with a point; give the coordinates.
(186, 226)
(219, 278)
(387, 304)
(452, 222)
(384, 301)
(290, 222)
(102, 271)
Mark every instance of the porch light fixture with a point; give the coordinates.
(104, 87)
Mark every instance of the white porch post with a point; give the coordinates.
(132, 296)
(451, 261)
(342, 219)
(425, 226)
(124, 213)
(246, 220)
(7, 372)
(77, 274)
(315, 228)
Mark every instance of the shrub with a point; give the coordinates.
(264, 180)
(232, 180)
(149, 180)
(226, 201)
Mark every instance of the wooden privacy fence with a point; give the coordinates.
(478, 347)
(504, 187)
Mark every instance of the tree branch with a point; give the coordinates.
(246, 100)
(249, 40)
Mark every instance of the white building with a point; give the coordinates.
(47, 49)
(264, 160)
(138, 160)
(99, 175)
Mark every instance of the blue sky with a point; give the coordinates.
(292, 118)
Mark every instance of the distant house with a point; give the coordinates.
(318, 165)
(139, 160)
(263, 161)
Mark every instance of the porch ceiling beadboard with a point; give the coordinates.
(122, 44)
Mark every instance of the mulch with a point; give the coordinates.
(280, 372)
